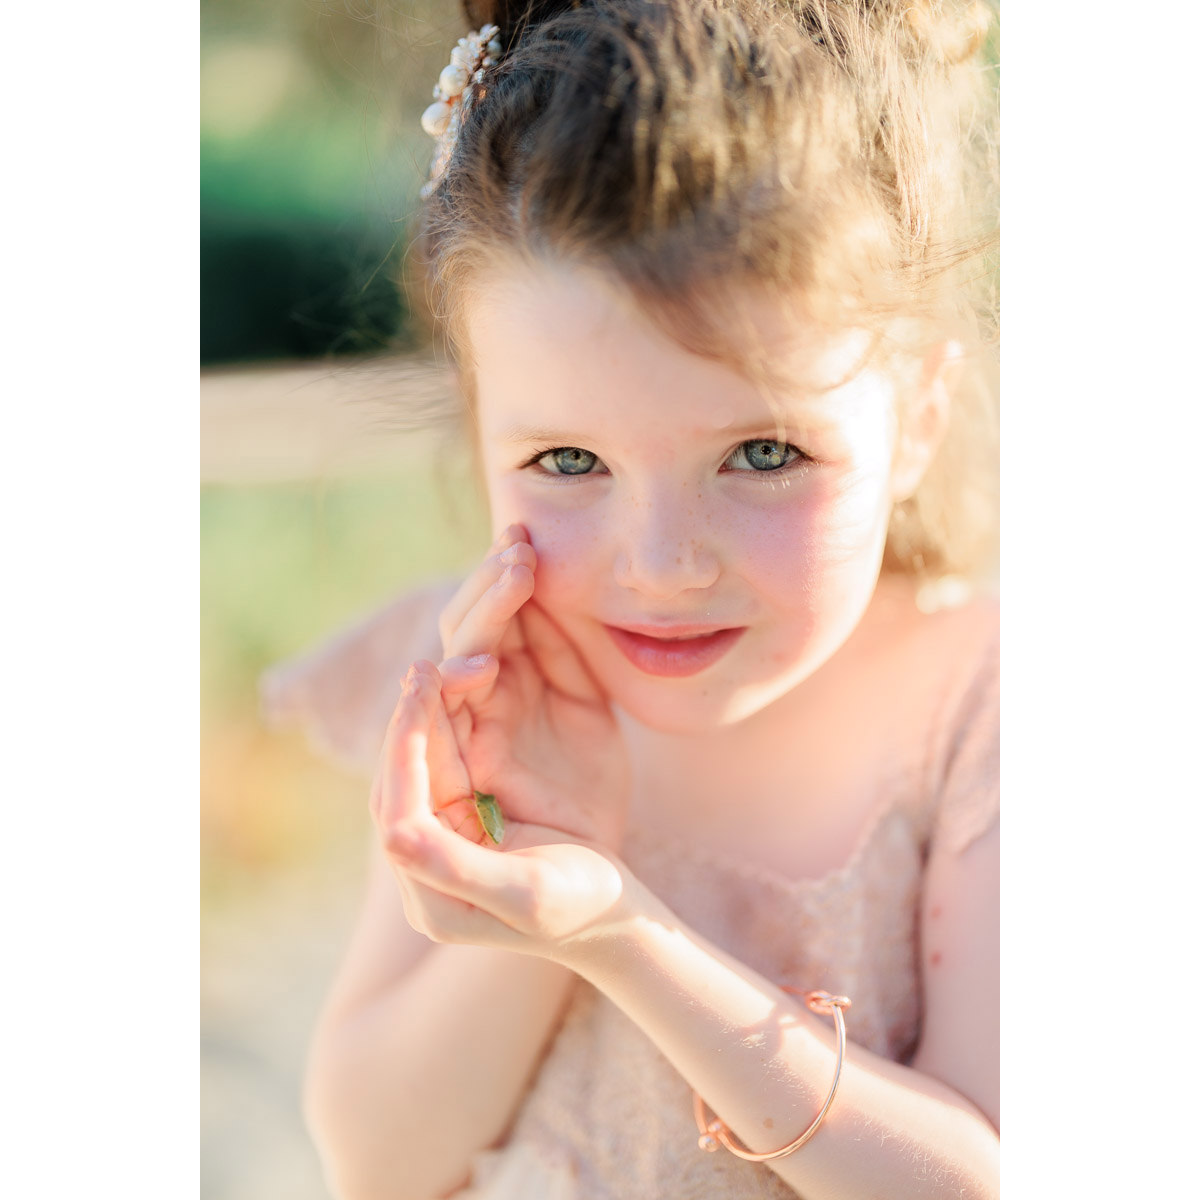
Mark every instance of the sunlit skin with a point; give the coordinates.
(669, 549)
(675, 527)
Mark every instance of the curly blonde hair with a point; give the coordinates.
(838, 153)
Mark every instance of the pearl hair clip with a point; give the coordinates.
(453, 93)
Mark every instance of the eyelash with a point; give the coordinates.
(534, 461)
(799, 459)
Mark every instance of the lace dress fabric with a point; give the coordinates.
(606, 1116)
(609, 1117)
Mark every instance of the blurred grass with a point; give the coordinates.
(283, 565)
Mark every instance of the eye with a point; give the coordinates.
(762, 454)
(568, 460)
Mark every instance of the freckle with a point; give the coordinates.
(935, 958)
(768, 1123)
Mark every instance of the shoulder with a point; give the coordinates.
(934, 658)
(963, 635)
(342, 691)
(940, 674)
(964, 747)
(946, 632)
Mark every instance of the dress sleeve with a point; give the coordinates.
(969, 800)
(342, 692)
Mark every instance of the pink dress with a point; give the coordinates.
(606, 1115)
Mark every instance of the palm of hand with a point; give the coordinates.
(555, 880)
(549, 749)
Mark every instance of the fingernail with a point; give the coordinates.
(478, 661)
(414, 681)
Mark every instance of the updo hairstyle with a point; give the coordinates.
(837, 156)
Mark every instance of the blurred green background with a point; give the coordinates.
(310, 161)
(315, 508)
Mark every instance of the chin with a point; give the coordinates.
(701, 707)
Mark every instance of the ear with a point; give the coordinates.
(923, 423)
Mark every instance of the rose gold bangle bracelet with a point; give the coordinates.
(715, 1131)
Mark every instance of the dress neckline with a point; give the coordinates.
(674, 850)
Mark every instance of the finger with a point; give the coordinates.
(501, 884)
(485, 623)
(446, 782)
(449, 780)
(404, 792)
(464, 673)
(461, 817)
(462, 676)
(443, 918)
(479, 580)
(556, 655)
(491, 623)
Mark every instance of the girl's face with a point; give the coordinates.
(704, 558)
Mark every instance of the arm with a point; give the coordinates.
(368, 1079)
(406, 1078)
(754, 1053)
(764, 1063)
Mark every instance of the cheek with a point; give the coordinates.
(569, 541)
(792, 549)
(849, 521)
(778, 550)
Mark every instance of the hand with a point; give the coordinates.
(538, 893)
(530, 722)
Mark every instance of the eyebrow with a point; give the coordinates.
(521, 434)
(538, 433)
(757, 428)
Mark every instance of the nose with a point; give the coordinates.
(664, 547)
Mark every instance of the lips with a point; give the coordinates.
(674, 651)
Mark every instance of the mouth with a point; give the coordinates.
(674, 651)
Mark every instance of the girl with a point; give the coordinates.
(703, 268)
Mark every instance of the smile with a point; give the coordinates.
(673, 651)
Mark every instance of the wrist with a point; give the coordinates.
(607, 945)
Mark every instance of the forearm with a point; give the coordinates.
(764, 1064)
(406, 1085)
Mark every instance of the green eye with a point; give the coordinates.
(569, 460)
(762, 454)
(490, 816)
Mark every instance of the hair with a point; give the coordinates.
(837, 154)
